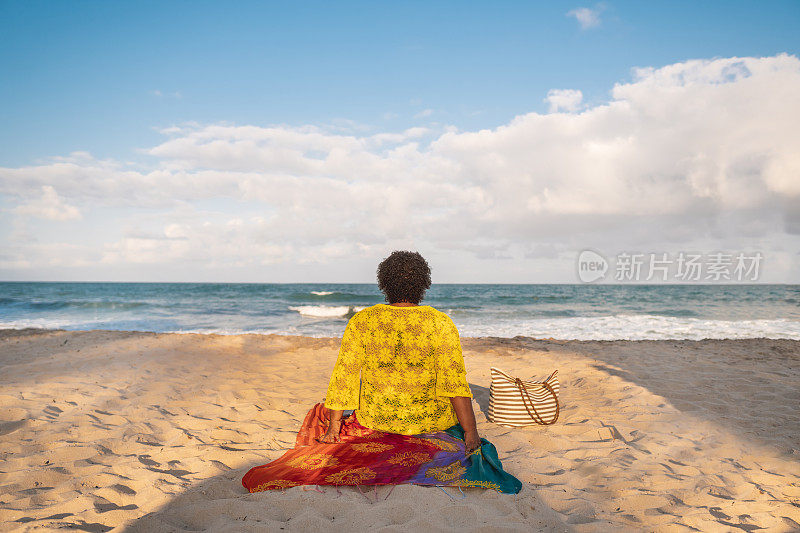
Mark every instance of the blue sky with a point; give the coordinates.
(257, 141)
(83, 75)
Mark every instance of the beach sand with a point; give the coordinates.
(153, 432)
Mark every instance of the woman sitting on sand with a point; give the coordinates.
(409, 357)
(401, 370)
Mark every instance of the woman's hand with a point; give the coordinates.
(332, 435)
(462, 405)
(472, 441)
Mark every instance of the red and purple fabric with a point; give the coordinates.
(369, 457)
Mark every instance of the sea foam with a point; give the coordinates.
(620, 327)
(635, 327)
(326, 311)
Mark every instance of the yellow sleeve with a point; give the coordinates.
(343, 389)
(451, 374)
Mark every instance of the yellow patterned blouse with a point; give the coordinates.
(410, 363)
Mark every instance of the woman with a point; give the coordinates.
(409, 357)
(401, 371)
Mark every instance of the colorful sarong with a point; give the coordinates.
(369, 457)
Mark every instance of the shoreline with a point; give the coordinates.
(142, 431)
(11, 332)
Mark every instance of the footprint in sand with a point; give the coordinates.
(52, 412)
(106, 506)
(11, 426)
(146, 461)
(175, 472)
(123, 489)
(12, 419)
(82, 525)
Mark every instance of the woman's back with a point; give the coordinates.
(410, 363)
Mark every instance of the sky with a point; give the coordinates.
(304, 141)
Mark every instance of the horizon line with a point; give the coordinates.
(726, 284)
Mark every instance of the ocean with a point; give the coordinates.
(569, 311)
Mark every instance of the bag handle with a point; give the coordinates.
(524, 393)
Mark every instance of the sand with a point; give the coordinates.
(153, 432)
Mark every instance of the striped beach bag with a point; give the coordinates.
(514, 402)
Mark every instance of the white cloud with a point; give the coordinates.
(586, 17)
(701, 153)
(564, 99)
(30, 255)
(424, 113)
(49, 206)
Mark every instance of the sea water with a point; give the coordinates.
(561, 311)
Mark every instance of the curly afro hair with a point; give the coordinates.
(404, 277)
